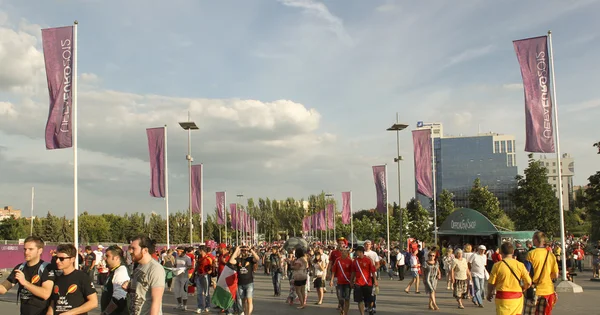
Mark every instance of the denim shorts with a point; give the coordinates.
(245, 291)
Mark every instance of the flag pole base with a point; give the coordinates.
(568, 287)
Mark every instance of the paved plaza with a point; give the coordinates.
(391, 300)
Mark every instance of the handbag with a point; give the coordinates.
(530, 294)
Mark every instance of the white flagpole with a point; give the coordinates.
(225, 215)
(351, 222)
(167, 188)
(32, 197)
(74, 135)
(201, 203)
(559, 163)
(435, 231)
(387, 214)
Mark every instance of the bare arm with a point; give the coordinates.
(50, 309)
(233, 259)
(42, 292)
(5, 286)
(157, 296)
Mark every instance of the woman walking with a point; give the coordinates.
(319, 267)
(415, 266)
(300, 275)
(431, 275)
(460, 277)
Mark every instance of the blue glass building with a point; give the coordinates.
(460, 160)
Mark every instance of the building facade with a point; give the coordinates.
(567, 164)
(459, 160)
(8, 212)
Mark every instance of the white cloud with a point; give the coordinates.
(513, 86)
(320, 10)
(21, 63)
(583, 106)
(88, 78)
(387, 7)
(470, 54)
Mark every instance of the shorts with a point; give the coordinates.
(299, 283)
(319, 283)
(363, 294)
(245, 291)
(414, 274)
(343, 291)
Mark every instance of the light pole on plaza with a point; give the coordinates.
(237, 219)
(189, 126)
(397, 127)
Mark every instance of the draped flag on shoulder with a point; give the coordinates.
(156, 150)
(423, 163)
(196, 188)
(380, 187)
(346, 210)
(59, 48)
(226, 292)
(532, 54)
(220, 207)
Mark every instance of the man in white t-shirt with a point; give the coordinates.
(400, 264)
(98, 262)
(477, 263)
(375, 259)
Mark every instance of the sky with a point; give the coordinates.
(292, 97)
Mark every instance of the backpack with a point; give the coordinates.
(39, 273)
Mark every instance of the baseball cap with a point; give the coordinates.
(482, 247)
(222, 245)
(368, 241)
(100, 247)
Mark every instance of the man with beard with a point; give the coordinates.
(114, 297)
(73, 292)
(34, 279)
(147, 281)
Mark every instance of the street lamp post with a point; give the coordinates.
(433, 176)
(327, 217)
(237, 219)
(398, 127)
(189, 126)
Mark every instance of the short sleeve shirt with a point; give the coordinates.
(342, 269)
(363, 267)
(503, 279)
(543, 282)
(478, 263)
(144, 278)
(71, 291)
(31, 304)
(204, 265)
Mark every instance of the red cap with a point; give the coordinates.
(222, 245)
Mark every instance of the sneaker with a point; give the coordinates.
(207, 311)
(184, 308)
(198, 311)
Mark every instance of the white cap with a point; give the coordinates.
(100, 247)
(482, 247)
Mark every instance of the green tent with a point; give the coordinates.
(465, 221)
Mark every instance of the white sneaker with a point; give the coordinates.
(198, 311)
(184, 307)
(179, 307)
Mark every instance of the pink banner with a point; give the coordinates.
(305, 224)
(234, 216)
(58, 44)
(422, 155)
(156, 150)
(380, 187)
(196, 188)
(346, 210)
(330, 216)
(220, 195)
(321, 222)
(532, 54)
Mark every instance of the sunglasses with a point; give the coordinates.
(63, 258)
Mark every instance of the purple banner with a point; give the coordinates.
(346, 210)
(305, 224)
(196, 188)
(422, 155)
(156, 150)
(220, 207)
(58, 44)
(330, 216)
(321, 222)
(234, 219)
(380, 187)
(532, 54)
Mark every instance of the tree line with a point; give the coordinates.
(536, 208)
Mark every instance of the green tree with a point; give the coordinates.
(418, 221)
(592, 202)
(535, 200)
(157, 228)
(484, 201)
(445, 206)
(14, 229)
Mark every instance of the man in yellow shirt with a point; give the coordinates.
(505, 279)
(545, 269)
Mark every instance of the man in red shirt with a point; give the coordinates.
(578, 255)
(333, 257)
(363, 279)
(204, 268)
(223, 257)
(342, 272)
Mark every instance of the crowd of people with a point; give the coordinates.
(133, 280)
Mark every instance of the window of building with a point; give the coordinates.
(554, 171)
(510, 146)
(553, 163)
(502, 146)
(496, 146)
(547, 164)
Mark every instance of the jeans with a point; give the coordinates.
(203, 287)
(478, 284)
(245, 291)
(276, 277)
(579, 265)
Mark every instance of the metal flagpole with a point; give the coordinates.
(74, 135)
(399, 182)
(560, 186)
(387, 214)
(167, 188)
(334, 234)
(351, 222)
(225, 215)
(189, 158)
(201, 205)
(31, 220)
(435, 230)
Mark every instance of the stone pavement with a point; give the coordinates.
(391, 300)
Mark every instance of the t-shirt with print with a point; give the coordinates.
(71, 291)
(275, 260)
(344, 273)
(31, 304)
(181, 264)
(363, 267)
(89, 262)
(245, 270)
(478, 263)
(144, 278)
